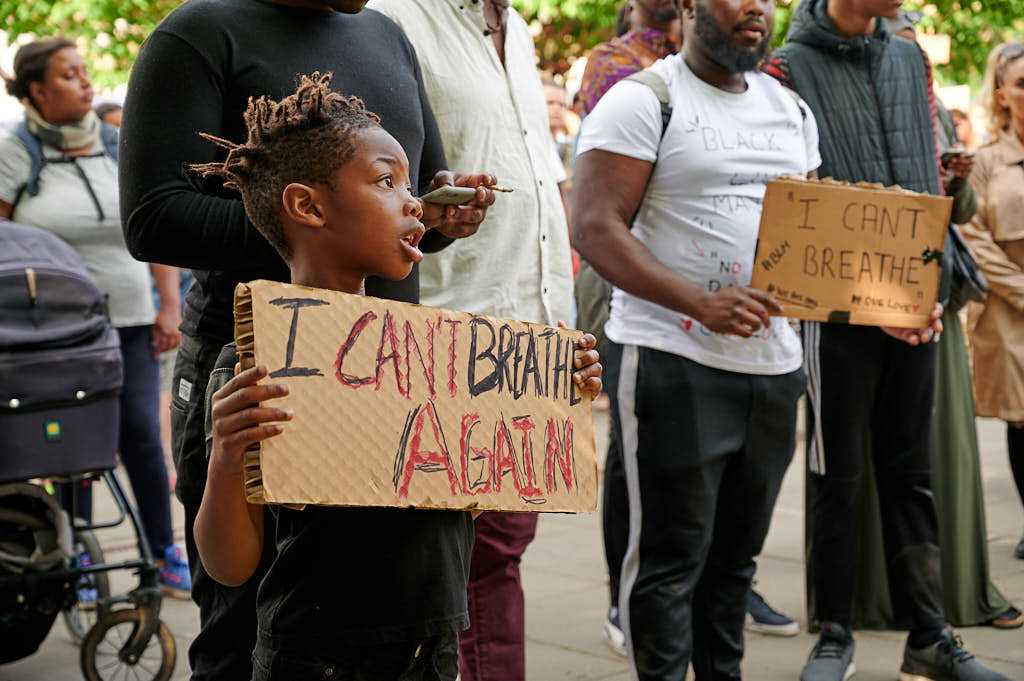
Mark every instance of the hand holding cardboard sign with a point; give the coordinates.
(587, 361)
(920, 336)
(228, 529)
(737, 310)
(241, 420)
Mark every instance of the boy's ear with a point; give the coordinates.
(301, 205)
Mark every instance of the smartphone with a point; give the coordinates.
(448, 195)
(949, 155)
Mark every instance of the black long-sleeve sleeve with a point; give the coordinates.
(433, 158)
(432, 161)
(174, 94)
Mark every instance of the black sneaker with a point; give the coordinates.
(764, 619)
(945, 661)
(832, 657)
(1019, 551)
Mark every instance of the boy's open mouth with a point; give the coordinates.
(410, 242)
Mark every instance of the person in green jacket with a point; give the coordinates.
(970, 597)
(871, 390)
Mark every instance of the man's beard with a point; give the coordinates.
(721, 47)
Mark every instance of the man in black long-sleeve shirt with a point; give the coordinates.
(196, 72)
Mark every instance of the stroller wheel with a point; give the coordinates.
(100, 656)
(80, 617)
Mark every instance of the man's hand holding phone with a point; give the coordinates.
(958, 162)
(458, 215)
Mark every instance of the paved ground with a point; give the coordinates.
(567, 596)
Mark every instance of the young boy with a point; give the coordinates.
(330, 189)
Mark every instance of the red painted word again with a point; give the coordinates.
(488, 458)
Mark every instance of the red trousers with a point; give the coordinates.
(494, 646)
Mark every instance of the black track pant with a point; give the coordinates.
(614, 500)
(870, 399)
(705, 452)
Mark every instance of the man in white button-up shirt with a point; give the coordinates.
(480, 77)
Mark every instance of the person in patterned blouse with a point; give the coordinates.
(654, 33)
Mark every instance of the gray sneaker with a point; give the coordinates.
(832, 657)
(945, 661)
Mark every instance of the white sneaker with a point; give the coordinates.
(613, 634)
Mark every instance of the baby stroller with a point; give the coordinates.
(60, 377)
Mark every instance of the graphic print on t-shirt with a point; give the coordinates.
(702, 210)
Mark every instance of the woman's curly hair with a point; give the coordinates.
(304, 138)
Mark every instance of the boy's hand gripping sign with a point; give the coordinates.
(854, 254)
(403, 405)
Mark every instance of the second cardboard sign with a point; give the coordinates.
(855, 254)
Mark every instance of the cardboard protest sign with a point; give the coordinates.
(855, 254)
(404, 405)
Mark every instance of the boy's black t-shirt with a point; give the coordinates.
(196, 73)
(359, 576)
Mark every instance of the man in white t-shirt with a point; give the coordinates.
(708, 379)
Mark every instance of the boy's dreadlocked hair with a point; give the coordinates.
(305, 138)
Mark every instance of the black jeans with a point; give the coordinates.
(870, 399)
(141, 451)
(432, 659)
(222, 651)
(705, 451)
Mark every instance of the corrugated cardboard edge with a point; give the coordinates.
(245, 346)
(870, 186)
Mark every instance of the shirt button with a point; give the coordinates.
(524, 132)
(540, 183)
(545, 289)
(543, 237)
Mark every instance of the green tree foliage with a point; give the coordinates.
(975, 27)
(109, 32)
(568, 28)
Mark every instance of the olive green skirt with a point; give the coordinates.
(969, 594)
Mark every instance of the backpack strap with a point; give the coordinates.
(34, 148)
(109, 136)
(660, 88)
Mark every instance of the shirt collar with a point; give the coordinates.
(473, 10)
(656, 40)
(476, 6)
